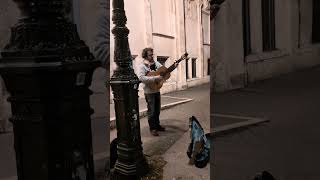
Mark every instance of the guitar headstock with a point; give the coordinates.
(183, 57)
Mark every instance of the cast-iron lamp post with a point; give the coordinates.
(131, 163)
(47, 70)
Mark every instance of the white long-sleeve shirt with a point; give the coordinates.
(141, 72)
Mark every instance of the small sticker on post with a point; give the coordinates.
(81, 78)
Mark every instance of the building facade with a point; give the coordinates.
(171, 27)
(260, 39)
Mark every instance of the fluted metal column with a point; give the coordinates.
(131, 162)
(47, 70)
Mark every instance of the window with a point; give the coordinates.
(246, 27)
(187, 68)
(268, 25)
(316, 22)
(162, 59)
(208, 68)
(194, 67)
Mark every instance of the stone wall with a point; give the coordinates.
(294, 49)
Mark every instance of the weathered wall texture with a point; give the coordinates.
(171, 27)
(294, 49)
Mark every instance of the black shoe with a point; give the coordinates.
(160, 128)
(154, 132)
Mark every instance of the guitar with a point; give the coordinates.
(164, 72)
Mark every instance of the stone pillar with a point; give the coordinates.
(220, 51)
(148, 21)
(200, 65)
(181, 43)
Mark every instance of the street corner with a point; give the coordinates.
(226, 123)
(175, 99)
(167, 102)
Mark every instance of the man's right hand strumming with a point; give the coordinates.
(158, 78)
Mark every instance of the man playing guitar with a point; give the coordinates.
(152, 96)
(152, 75)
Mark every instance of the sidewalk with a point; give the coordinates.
(288, 145)
(167, 101)
(171, 145)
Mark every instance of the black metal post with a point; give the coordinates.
(131, 163)
(47, 70)
(214, 7)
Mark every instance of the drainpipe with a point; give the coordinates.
(185, 30)
(299, 28)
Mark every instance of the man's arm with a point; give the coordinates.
(141, 73)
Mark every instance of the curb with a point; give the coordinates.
(222, 130)
(143, 112)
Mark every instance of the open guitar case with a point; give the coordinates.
(199, 147)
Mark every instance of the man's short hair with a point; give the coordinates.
(145, 52)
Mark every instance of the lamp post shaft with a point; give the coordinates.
(131, 163)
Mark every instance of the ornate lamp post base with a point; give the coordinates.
(131, 162)
(134, 172)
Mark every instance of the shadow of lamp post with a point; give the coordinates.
(47, 70)
(131, 163)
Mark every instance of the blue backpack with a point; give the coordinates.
(199, 148)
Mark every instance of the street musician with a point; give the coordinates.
(152, 75)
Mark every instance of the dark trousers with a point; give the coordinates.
(154, 104)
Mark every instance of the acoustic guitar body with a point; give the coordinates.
(164, 72)
(160, 71)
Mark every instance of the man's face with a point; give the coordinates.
(150, 56)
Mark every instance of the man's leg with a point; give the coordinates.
(157, 107)
(150, 99)
(158, 110)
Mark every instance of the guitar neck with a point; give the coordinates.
(173, 67)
